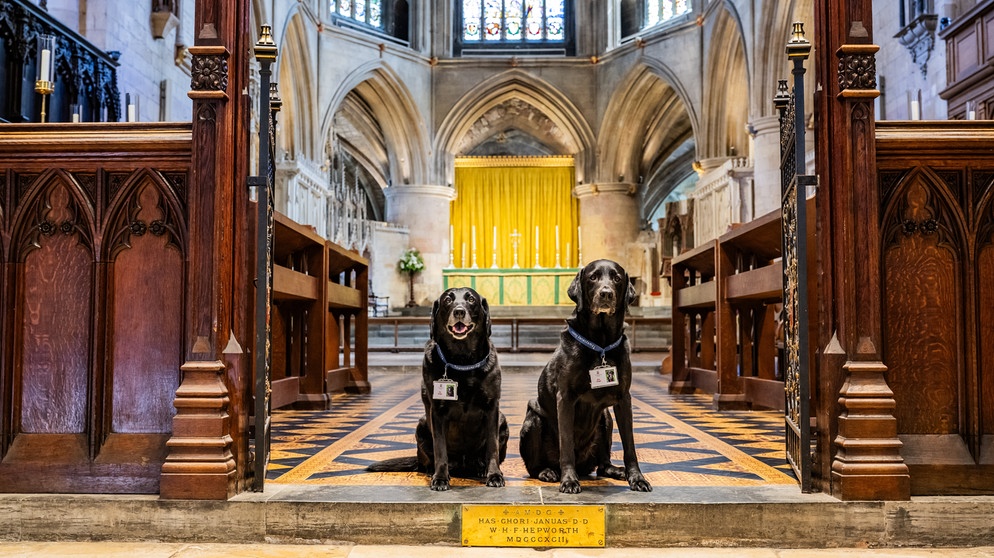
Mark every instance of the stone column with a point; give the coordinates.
(424, 210)
(609, 221)
(766, 164)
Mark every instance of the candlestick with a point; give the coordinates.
(473, 232)
(494, 250)
(537, 266)
(579, 247)
(45, 80)
(132, 107)
(463, 262)
(452, 247)
(515, 239)
(558, 265)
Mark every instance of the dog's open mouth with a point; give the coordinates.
(460, 329)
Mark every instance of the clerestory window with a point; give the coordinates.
(637, 15)
(389, 17)
(514, 26)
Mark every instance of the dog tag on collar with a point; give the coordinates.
(603, 376)
(446, 390)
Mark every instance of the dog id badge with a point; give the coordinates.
(446, 389)
(603, 376)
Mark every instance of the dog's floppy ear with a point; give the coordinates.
(630, 299)
(486, 314)
(575, 290)
(431, 321)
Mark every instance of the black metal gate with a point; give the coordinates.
(269, 104)
(794, 185)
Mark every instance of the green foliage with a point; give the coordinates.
(411, 262)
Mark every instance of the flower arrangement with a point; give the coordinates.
(411, 262)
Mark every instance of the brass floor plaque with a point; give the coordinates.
(532, 525)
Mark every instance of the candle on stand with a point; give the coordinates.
(463, 258)
(473, 235)
(76, 109)
(494, 250)
(579, 247)
(131, 107)
(536, 248)
(46, 63)
(452, 247)
(915, 111)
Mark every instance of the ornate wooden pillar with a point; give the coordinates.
(210, 401)
(865, 451)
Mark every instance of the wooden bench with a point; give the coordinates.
(726, 300)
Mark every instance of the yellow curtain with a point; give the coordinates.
(535, 202)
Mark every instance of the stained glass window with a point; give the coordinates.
(659, 11)
(513, 22)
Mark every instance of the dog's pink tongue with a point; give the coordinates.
(460, 328)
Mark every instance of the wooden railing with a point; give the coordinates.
(726, 296)
(640, 336)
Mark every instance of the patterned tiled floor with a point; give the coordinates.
(680, 441)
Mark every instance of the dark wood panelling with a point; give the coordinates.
(94, 294)
(55, 336)
(938, 267)
(146, 330)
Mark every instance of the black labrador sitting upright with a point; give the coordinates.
(463, 428)
(567, 430)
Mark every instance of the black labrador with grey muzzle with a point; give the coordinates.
(567, 430)
(463, 428)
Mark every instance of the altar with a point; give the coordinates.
(515, 287)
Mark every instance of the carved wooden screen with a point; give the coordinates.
(936, 185)
(93, 297)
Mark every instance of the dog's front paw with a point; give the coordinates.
(638, 483)
(569, 486)
(495, 480)
(611, 472)
(548, 475)
(440, 484)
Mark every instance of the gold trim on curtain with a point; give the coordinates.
(499, 200)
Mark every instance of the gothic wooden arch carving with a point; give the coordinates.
(125, 220)
(36, 218)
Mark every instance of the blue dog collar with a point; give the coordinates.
(593, 346)
(459, 367)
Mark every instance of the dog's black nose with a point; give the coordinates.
(607, 292)
(459, 313)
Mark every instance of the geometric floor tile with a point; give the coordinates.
(680, 441)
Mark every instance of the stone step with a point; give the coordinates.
(778, 516)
